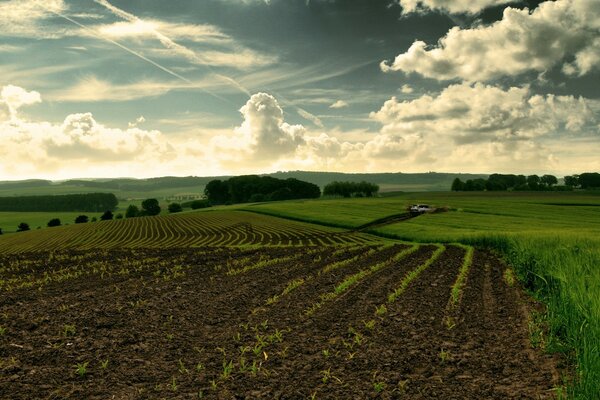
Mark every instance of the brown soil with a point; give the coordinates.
(169, 323)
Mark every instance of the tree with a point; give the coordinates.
(94, 219)
(119, 216)
(107, 216)
(549, 180)
(533, 181)
(23, 227)
(54, 222)
(0, 231)
(150, 207)
(132, 211)
(457, 185)
(196, 204)
(572, 181)
(217, 191)
(81, 219)
(589, 180)
(349, 189)
(175, 208)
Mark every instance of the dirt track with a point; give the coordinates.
(168, 324)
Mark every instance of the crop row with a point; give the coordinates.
(180, 230)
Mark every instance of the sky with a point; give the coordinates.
(143, 88)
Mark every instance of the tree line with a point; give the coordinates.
(350, 189)
(254, 188)
(88, 202)
(502, 182)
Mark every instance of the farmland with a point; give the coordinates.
(350, 321)
(551, 239)
(232, 304)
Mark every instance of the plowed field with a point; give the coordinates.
(355, 322)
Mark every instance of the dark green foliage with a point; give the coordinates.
(533, 181)
(457, 185)
(0, 231)
(119, 216)
(94, 219)
(23, 227)
(132, 211)
(82, 219)
(150, 207)
(350, 189)
(503, 182)
(572, 180)
(90, 202)
(175, 208)
(476, 185)
(549, 180)
(217, 191)
(54, 222)
(257, 198)
(243, 189)
(196, 204)
(107, 216)
(589, 180)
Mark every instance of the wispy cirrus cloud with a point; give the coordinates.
(231, 55)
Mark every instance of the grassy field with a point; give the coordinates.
(551, 239)
(10, 220)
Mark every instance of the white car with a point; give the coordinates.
(420, 208)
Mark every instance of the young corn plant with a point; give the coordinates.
(461, 280)
(81, 369)
(69, 330)
(381, 310)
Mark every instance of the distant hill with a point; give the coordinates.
(183, 188)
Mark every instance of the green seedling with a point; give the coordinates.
(182, 368)
(509, 277)
(173, 384)
(81, 369)
(381, 310)
(444, 356)
(2, 330)
(227, 369)
(104, 364)
(326, 353)
(378, 386)
(370, 325)
(199, 367)
(69, 330)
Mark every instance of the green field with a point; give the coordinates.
(551, 239)
(10, 220)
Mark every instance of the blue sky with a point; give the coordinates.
(99, 88)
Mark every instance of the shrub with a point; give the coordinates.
(175, 208)
(81, 219)
(23, 226)
(54, 222)
(107, 216)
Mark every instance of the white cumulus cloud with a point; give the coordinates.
(15, 97)
(552, 34)
(476, 113)
(265, 130)
(79, 144)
